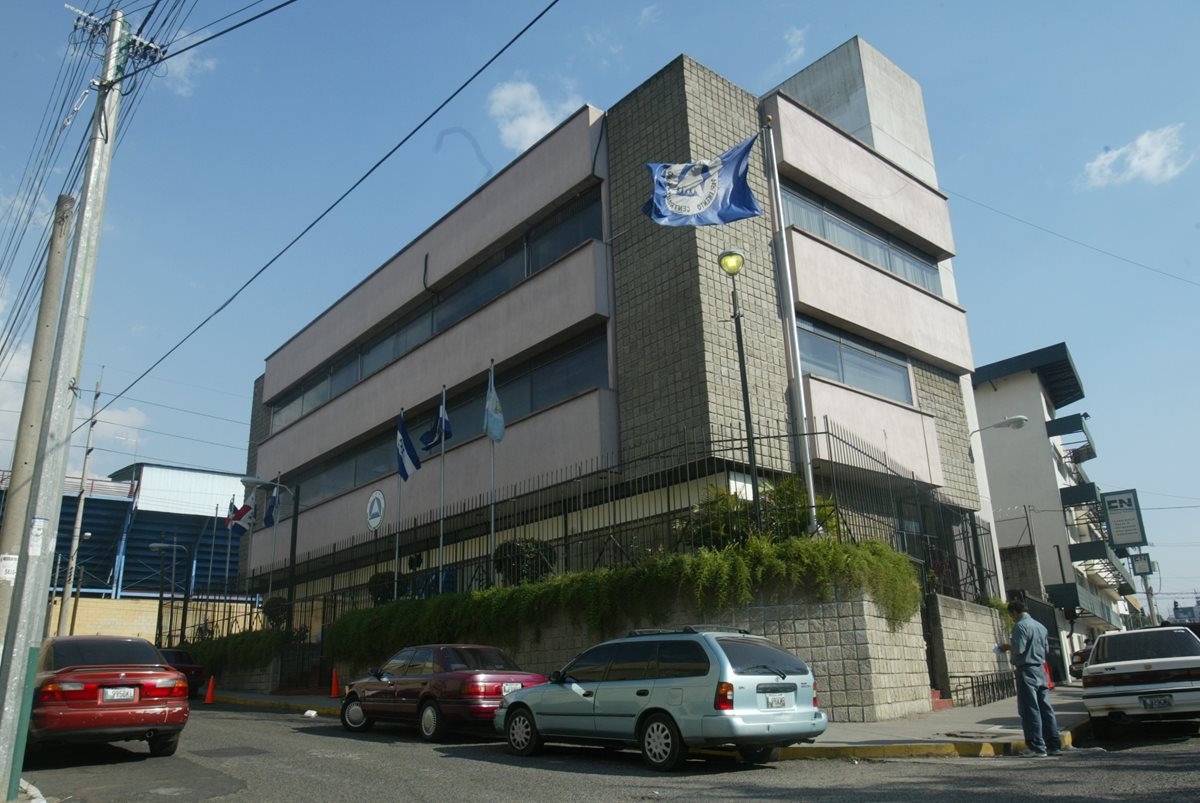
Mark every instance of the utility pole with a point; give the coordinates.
(73, 555)
(1150, 600)
(26, 614)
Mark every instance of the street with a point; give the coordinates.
(238, 754)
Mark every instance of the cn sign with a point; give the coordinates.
(1124, 518)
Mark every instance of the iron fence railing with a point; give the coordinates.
(977, 690)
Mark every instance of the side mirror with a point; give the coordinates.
(557, 676)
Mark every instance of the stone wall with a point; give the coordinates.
(113, 617)
(964, 638)
(263, 680)
(1021, 570)
(939, 392)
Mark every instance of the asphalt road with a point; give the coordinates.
(237, 754)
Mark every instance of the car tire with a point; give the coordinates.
(164, 744)
(354, 718)
(661, 745)
(1102, 729)
(431, 723)
(758, 754)
(522, 732)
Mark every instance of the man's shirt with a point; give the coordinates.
(1029, 642)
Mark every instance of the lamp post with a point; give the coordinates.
(160, 547)
(1008, 422)
(254, 483)
(731, 262)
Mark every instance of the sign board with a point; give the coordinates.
(1124, 518)
(376, 505)
(1142, 565)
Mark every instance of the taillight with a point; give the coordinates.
(478, 689)
(724, 698)
(165, 688)
(816, 702)
(57, 692)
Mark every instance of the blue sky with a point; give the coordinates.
(1076, 117)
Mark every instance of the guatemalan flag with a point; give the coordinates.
(407, 460)
(440, 432)
(706, 193)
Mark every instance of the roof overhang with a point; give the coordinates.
(1052, 364)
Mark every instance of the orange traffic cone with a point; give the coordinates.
(334, 690)
(208, 695)
(1049, 680)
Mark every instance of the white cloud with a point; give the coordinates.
(1155, 157)
(649, 16)
(182, 71)
(521, 114)
(794, 38)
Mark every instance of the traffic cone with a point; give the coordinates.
(334, 690)
(208, 695)
(1049, 680)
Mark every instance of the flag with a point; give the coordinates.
(440, 432)
(706, 193)
(493, 413)
(272, 503)
(242, 519)
(233, 509)
(407, 460)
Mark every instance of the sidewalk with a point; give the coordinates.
(990, 730)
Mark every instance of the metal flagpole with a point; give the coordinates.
(492, 512)
(441, 426)
(399, 486)
(274, 531)
(783, 267)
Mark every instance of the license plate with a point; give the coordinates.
(1154, 701)
(776, 701)
(118, 694)
(505, 688)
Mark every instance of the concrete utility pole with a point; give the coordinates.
(1150, 600)
(73, 555)
(26, 615)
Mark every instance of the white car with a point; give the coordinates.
(1146, 675)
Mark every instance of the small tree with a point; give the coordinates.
(382, 586)
(275, 612)
(722, 518)
(786, 510)
(524, 560)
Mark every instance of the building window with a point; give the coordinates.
(818, 217)
(831, 353)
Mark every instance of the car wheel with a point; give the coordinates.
(758, 754)
(433, 727)
(662, 746)
(164, 744)
(354, 718)
(523, 736)
(1102, 728)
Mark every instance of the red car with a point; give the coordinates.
(182, 661)
(107, 689)
(438, 687)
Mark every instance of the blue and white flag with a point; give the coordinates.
(441, 432)
(272, 503)
(706, 193)
(407, 460)
(493, 413)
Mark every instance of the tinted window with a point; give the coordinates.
(590, 667)
(422, 662)
(177, 656)
(681, 659)
(753, 655)
(103, 653)
(395, 665)
(458, 658)
(1143, 644)
(633, 660)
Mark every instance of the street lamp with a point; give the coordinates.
(252, 484)
(1008, 422)
(731, 262)
(160, 547)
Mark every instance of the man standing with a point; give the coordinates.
(1027, 652)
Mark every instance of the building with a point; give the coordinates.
(1049, 522)
(616, 360)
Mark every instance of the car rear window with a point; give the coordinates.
(1142, 644)
(103, 652)
(455, 659)
(754, 657)
(177, 656)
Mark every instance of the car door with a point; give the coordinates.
(619, 700)
(378, 693)
(566, 707)
(411, 686)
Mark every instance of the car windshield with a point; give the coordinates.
(101, 652)
(1142, 644)
(456, 659)
(754, 657)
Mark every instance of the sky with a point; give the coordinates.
(1066, 136)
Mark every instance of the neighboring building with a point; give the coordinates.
(615, 356)
(1049, 522)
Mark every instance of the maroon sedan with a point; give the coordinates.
(182, 660)
(107, 689)
(439, 687)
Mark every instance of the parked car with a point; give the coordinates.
(1078, 659)
(182, 661)
(666, 691)
(1142, 676)
(107, 689)
(438, 687)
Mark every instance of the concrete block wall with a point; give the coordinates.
(1022, 570)
(262, 680)
(964, 638)
(938, 392)
(112, 617)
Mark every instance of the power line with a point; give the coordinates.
(339, 199)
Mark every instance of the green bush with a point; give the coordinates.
(249, 650)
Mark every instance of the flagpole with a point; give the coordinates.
(274, 531)
(399, 486)
(492, 516)
(783, 267)
(442, 515)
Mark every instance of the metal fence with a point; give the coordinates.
(980, 690)
(604, 513)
